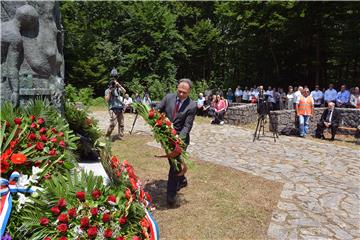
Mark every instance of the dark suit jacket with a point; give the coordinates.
(184, 118)
(335, 119)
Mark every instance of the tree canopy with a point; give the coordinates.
(216, 44)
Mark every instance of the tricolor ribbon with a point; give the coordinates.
(6, 188)
(154, 228)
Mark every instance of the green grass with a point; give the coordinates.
(219, 202)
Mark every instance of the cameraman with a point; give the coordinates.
(116, 107)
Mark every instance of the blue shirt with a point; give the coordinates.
(343, 97)
(330, 95)
(200, 101)
(317, 96)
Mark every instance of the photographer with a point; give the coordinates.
(116, 107)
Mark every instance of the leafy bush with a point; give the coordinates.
(84, 95)
(99, 101)
(84, 125)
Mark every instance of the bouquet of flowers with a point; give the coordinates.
(164, 133)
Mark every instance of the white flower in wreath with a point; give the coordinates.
(21, 201)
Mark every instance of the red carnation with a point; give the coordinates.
(55, 210)
(54, 130)
(47, 176)
(120, 238)
(122, 220)
(37, 163)
(168, 123)
(4, 165)
(144, 223)
(42, 130)
(41, 121)
(62, 203)
(44, 221)
(72, 212)
(61, 134)
(158, 123)
(17, 121)
(62, 144)
(108, 233)
(62, 228)
(136, 238)
(173, 132)
(84, 222)
(52, 152)
(43, 138)
(94, 211)
(96, 194)
(32, 136)
(133, 184)
(47, 238)
(106, 217)
(92, 232)
(80, 196)
(151, 114)
(32, 118)
(128, 193)
(111, 198)
(63, 218)
(53, 140)
(39, 146)
(63, 238)
(33, 125)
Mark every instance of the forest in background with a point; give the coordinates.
(216, 44)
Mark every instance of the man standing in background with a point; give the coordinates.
(116, 107)
(304, 110)
(343, 97)
(330, 94)
(317, 95)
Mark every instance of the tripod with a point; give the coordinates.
(132, 128)
(261, 126)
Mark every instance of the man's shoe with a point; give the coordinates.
(171, 201)
(181, 185)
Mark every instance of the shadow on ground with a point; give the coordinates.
(157, 190)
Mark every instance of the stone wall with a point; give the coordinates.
(241, 114)
(286, 122)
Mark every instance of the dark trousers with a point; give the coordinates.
(219, 116)
(321, 127)
(173, 179)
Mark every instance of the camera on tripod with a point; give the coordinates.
(263, 107)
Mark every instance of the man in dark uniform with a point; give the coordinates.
(181, 111)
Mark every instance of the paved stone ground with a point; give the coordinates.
(321, 195)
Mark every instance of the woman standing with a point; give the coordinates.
(290, 98)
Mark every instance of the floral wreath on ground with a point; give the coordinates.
(66, 204)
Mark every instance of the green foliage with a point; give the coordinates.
(83, 95)
(80, 122)
(223, 43)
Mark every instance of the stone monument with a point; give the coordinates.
(32, 60)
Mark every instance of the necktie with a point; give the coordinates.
(176, 109)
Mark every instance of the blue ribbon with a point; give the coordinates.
(8, 189)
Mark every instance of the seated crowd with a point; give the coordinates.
(298, 98)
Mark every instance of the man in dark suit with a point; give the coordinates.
(181, 111)
(329, 119)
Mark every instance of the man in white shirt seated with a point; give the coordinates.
(127, 103)
(318, 96)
